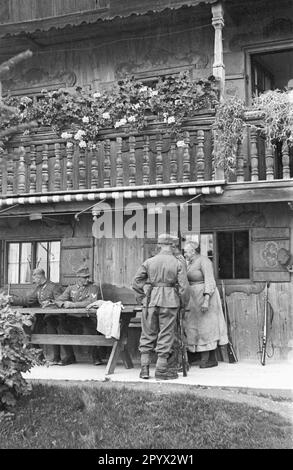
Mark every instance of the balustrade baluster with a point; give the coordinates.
(146, 161)
(57, 167)
(33, 169)
(173, 163)
(186, 158)
(82, 169)
(119, 163)
(1, 173)
(159, 159)
(95, 169)
(107, 164)
(45, 168)
(4, 171)
(286, 161)
(10, 173)
(200, 155)
(269, 161)
(69, 166)
(254, 154)
(213, 154)
(132, 161)
(240, 162)
(21, 170)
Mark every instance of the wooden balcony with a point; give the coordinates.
(47, 165)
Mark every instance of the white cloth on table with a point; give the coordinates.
(108, 319)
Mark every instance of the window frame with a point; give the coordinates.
(270, 46)
(216, 254)
(233, 280)
(34, 253)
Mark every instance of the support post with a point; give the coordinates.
(218, 65)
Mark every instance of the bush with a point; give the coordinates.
(16, 355)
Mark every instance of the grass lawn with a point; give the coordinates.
(108, 418)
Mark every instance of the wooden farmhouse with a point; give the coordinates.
(50, 193)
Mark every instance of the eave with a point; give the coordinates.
(113, 9)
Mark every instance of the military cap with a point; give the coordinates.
(167, 239)
(83, 272)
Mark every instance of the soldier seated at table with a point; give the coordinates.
(42, 295)
(79, 295)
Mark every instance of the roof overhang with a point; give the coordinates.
(128, 193)
(109, 10)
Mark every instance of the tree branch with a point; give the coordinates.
(19, 128)
(6, 66)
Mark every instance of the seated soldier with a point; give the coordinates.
(81, 294)
(44, 293)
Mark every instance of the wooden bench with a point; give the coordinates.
(119, 347)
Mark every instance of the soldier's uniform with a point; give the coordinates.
(49, 291)
(80, 296)
(167, 285)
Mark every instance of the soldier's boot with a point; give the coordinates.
(165, 374)
(145, 372)
(208, 359)
(145, 366)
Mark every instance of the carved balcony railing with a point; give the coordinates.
(125, 160)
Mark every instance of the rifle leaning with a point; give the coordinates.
(268, 309)
(230, 348)
(182, 343)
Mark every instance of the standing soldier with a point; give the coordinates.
(166, 284)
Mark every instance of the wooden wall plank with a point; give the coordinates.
(19, 10)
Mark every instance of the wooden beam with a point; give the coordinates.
(249, 192)
(80, 340)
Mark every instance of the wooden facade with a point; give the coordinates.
(113, 42)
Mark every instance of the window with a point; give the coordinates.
(19, 263)
(261, 78)
(233, 255)
(269, 66)
(23, 257)
(270, 70)
(48, 258)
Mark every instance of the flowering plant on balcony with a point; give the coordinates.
(274, 108)
(79, 115)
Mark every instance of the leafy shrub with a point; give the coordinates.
(16, 355)
(276, 107)
(229, 124)
(275, 111)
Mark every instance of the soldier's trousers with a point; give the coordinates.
(158, 331)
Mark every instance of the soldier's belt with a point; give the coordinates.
(163, 284)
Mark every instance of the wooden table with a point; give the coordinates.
(119, 347)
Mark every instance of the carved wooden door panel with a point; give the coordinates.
(266, 242)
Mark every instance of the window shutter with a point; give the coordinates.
(266, 242)
(75, 252)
